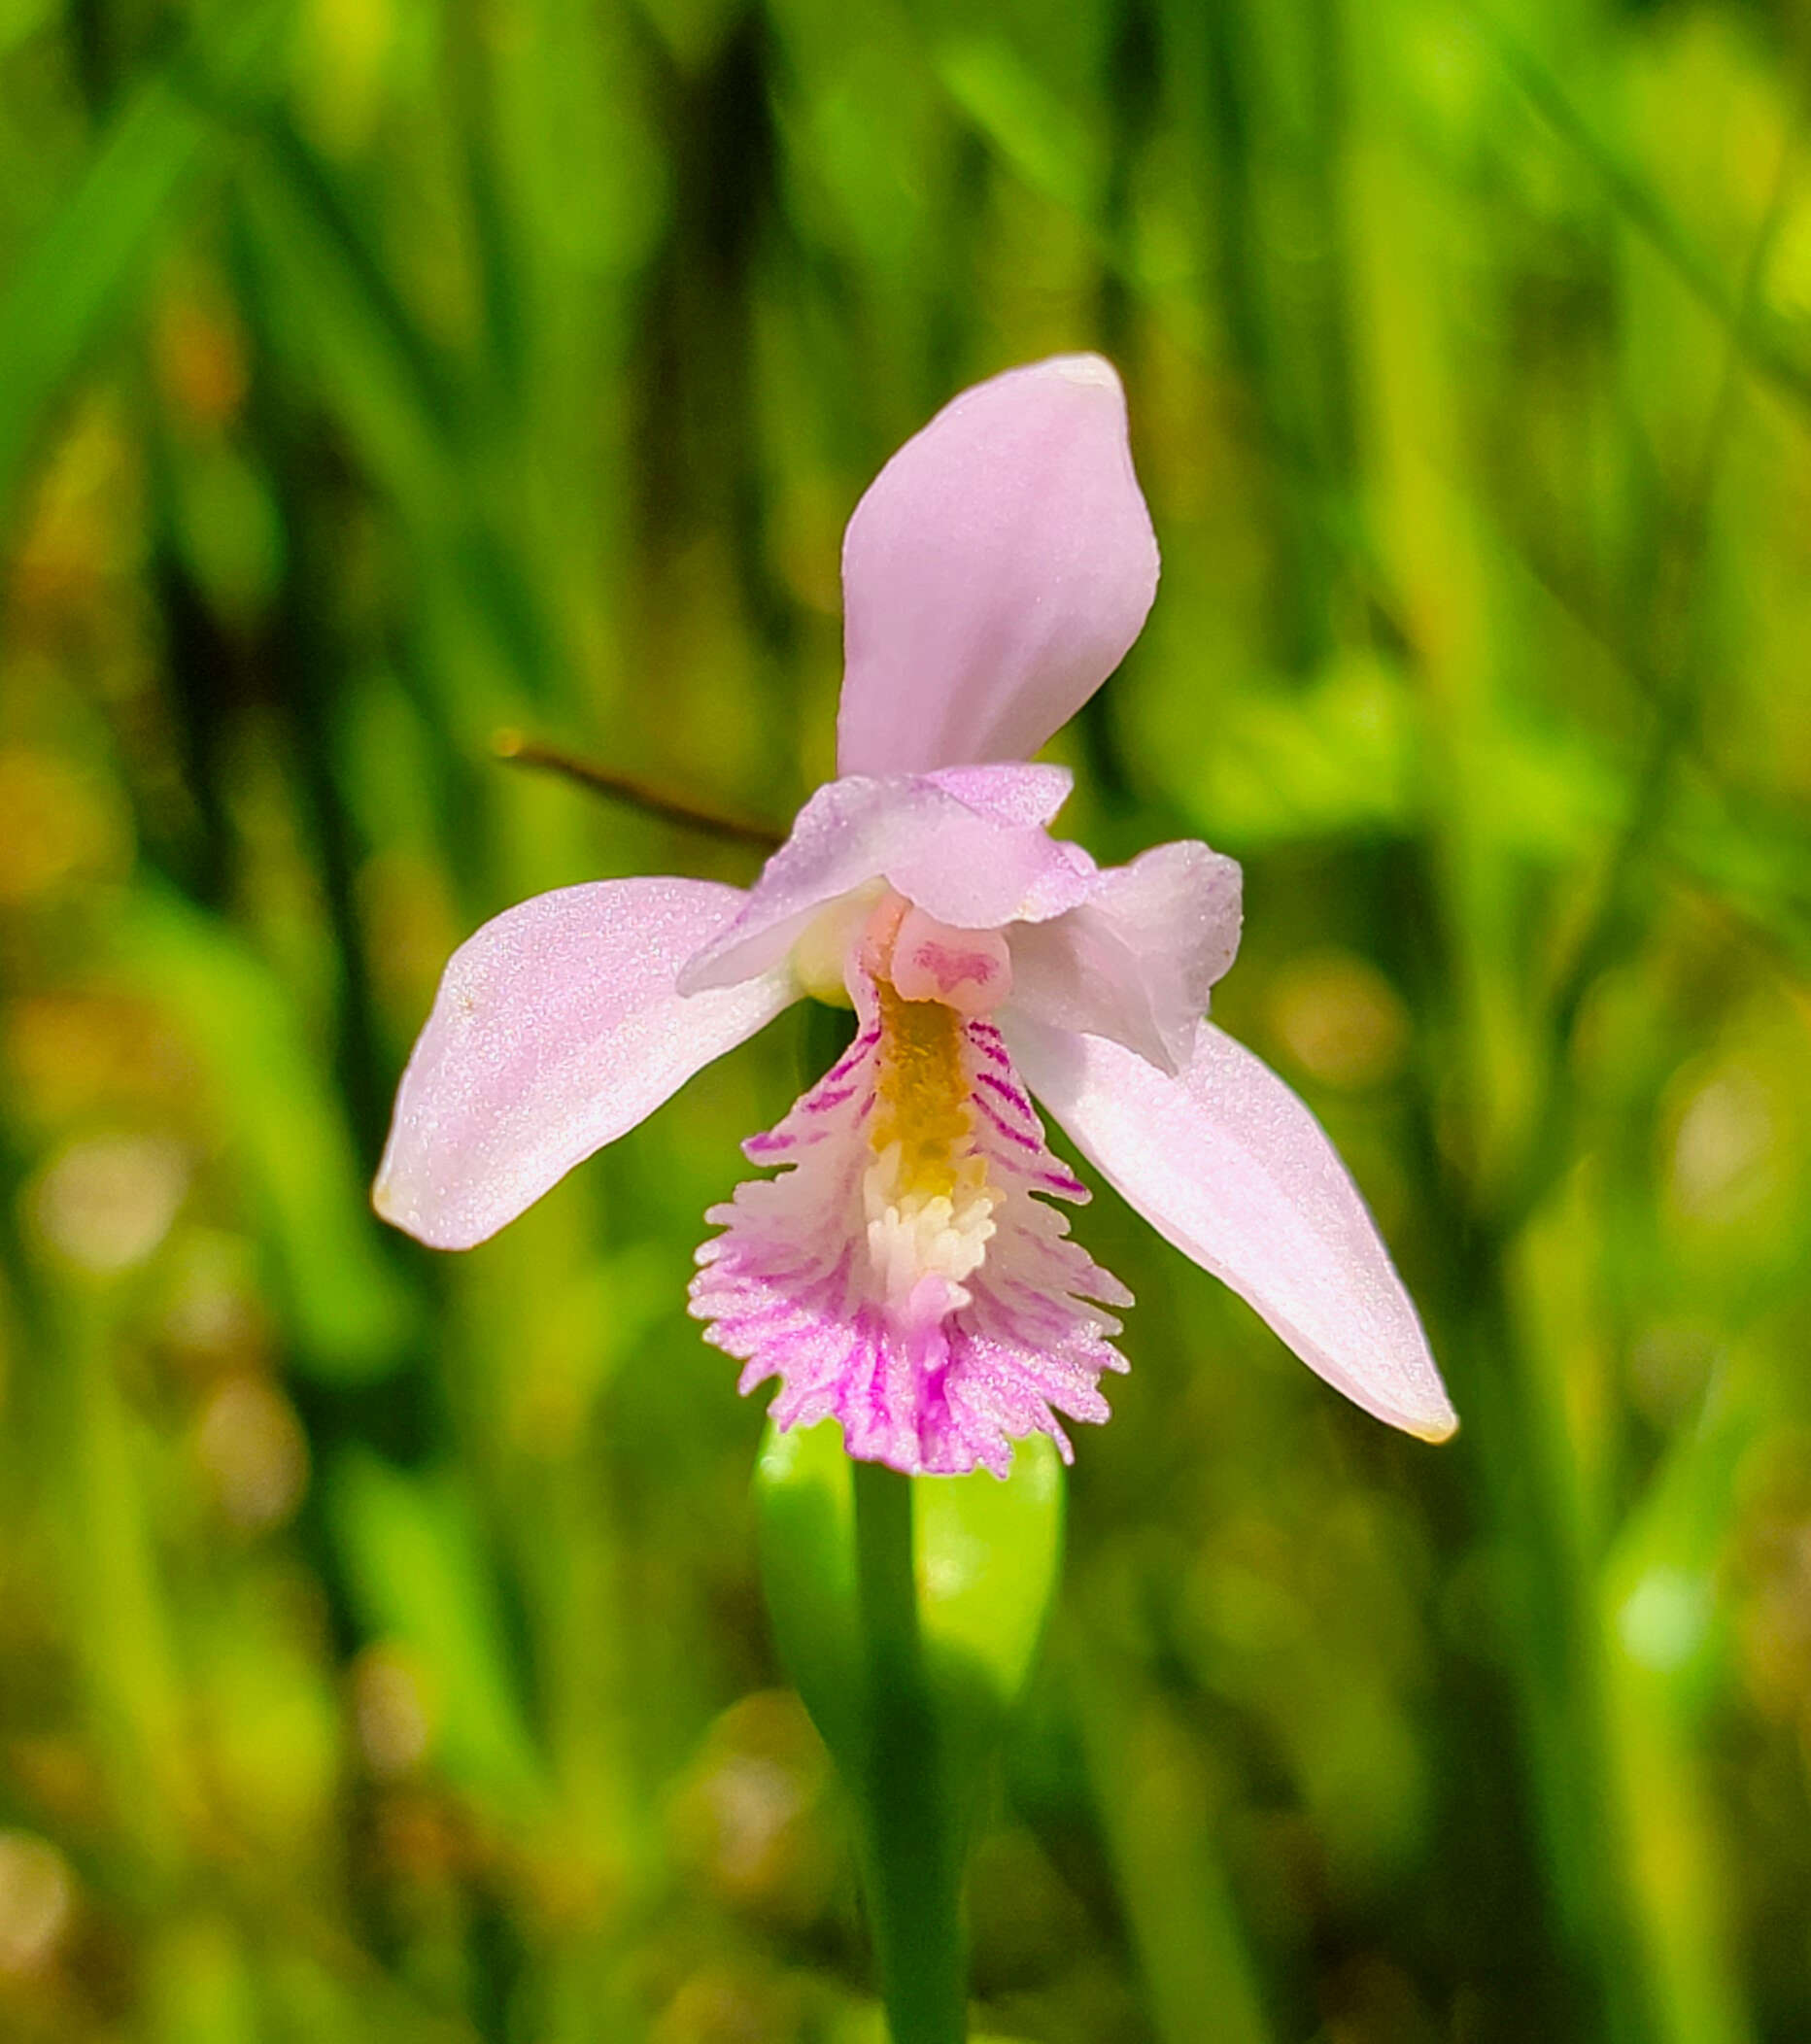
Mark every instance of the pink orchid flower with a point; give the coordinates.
(905, 1271)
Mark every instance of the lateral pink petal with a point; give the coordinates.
(969, 849)
(1136, 961)
(994, 574)
(555, 1029)
(1226, 1163)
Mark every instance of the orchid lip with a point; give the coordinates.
(903, 1271)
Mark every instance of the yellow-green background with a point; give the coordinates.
(380, 1651)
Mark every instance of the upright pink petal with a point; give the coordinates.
(1226, 1163)
(975, 859)
(1137, 959)
(557, 1027)
(994, 574)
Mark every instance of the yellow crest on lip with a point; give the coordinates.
(922, 1095)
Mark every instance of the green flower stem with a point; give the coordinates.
(913, 1849)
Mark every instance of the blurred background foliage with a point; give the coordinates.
(380, 1649)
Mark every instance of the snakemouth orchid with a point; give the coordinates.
(906, 1268)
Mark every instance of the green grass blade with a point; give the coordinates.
(76, 279)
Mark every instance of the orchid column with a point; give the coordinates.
(906, 1275)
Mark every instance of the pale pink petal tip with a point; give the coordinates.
(788, 1288)
(555, 1029)
(994, 573)
(1226, 1163)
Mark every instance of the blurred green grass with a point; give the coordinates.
(380, 1651)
